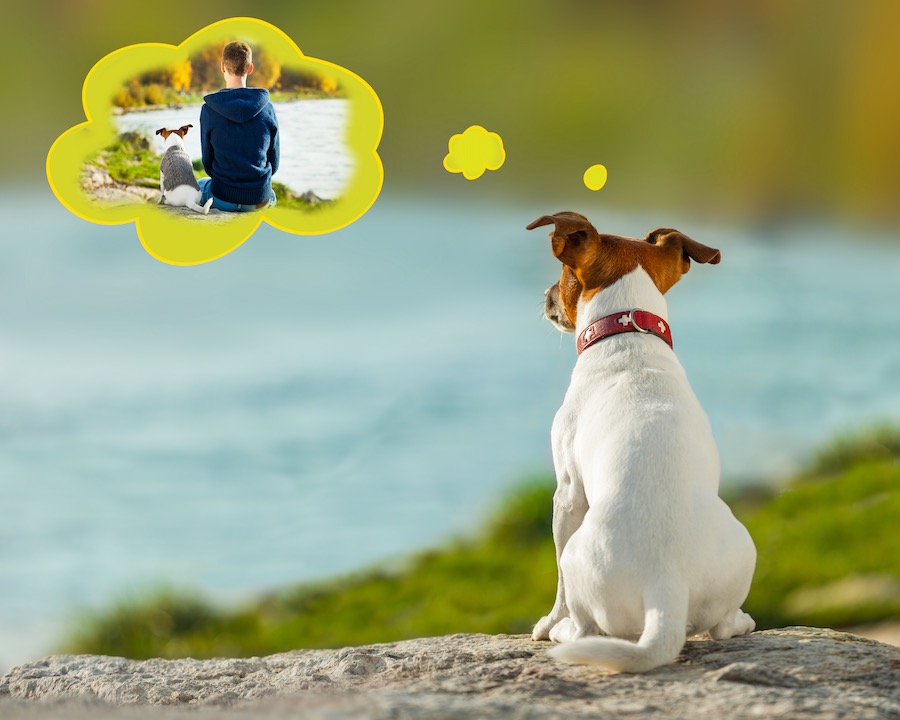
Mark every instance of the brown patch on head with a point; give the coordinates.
(570, 228)
(667, 255)
(592, 262)
(570, 289)
(561, 301)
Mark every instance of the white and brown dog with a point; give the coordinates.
(177, 183)
(647, 552)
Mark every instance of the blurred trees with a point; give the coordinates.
(180, 76)
(207, 66)
(266, 70)
(202, 73)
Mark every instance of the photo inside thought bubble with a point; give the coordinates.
(175, 145)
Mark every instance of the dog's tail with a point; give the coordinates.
(197, 207)
(665, 623)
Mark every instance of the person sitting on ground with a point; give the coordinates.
(239, 138)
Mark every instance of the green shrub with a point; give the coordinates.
(130, 160)
(879, 443)
(817, 533)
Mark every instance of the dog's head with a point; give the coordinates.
(592, 262)
(180, 132)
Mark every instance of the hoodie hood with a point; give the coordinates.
(239, 104)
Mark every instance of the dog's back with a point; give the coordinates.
(177, 184)
(176, 169)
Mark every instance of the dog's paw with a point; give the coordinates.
(564, 631)
(740, 624)
(745, 623)
(543, 627)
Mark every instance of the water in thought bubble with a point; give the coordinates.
(595, 177)
(183, 240)
(474, 151)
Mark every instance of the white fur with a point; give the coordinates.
(646, 549)
(183, 195)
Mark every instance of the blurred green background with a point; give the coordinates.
(744, 110)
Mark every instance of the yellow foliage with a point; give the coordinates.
(207, 68)
(327, 84)
(123, 98)
(154, 95)
(180, 76)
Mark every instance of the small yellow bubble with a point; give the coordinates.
(473, 152)
(595, 177)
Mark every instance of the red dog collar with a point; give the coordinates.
(621, 322)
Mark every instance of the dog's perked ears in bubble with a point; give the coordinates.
(180, 132)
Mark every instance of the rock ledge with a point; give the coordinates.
(792, 672)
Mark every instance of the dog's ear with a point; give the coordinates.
(161, 131)
(570, 231)
(668, 238)
(183, 130)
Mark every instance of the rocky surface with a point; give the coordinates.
(793, 672)
(104, 190)
(99, 185)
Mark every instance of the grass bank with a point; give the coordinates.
(829, 554)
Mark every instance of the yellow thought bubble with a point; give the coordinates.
(474, 151)
(183, 240)
(595, 177)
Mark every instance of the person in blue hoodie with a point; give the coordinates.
(239, 138)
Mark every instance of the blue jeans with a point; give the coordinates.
(224, 205)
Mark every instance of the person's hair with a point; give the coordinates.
(237, 57)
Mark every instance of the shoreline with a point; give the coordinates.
(279, 97)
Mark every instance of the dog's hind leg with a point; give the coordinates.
(569, 508)
(568, 629)
(738, 624)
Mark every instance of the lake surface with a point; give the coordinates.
(314, 155)
(301, 407)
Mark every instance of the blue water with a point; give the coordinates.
(314, 155)
(307, 406)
